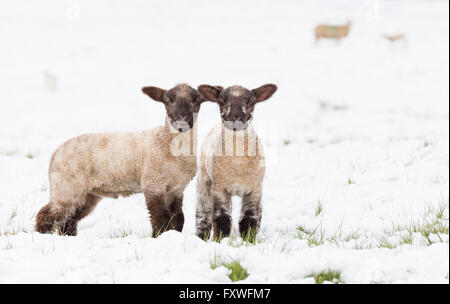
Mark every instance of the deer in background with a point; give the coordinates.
(393, 39)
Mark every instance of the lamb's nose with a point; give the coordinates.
(235, 118)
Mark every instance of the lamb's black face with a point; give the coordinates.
(237, 103)
(236, 107)
(182, 104)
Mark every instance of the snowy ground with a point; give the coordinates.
(357, 136)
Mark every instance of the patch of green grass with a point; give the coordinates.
(407, 239)
(12, 215)
(315, 237)
(339, 237)
(287, 142)
(384, 243)
(301, 229)
(121, 233)
(432, 227)
(362, 246)
(164, 228)
(350, 181)
(250, 237)
(144, 235)
(319, 209)
(13, 231)
(245, 240)
(351, 236)
(29, 156)
(237, 272)
(318, 236)
(329, 275)
(437, 212)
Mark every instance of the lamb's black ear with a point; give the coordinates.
(264, 92)
(209, 92)
(154, 93)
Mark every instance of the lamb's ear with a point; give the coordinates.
(264, 92)
(209, 92)
(154, 93)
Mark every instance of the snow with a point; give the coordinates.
(359, 128)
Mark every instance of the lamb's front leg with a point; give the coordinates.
(177, 212)
(204, 210)
(222, 214)
(251, 214)
(160, 216)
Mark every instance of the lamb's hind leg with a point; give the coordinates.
(83, 210)
(74, 213)
(47, 218)
(222, 214)
(251, 214)
(64, 217)
(55, 216)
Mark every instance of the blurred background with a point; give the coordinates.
(76, 66)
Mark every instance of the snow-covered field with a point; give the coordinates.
(357, 184)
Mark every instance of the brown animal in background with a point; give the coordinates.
(231, 163)
(332, 31)
(395, 38)
(85, 169)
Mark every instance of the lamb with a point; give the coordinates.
(225, 169)
(332, 31)
(85, 169)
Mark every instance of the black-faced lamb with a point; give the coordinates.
(85, 169)
(231, 163)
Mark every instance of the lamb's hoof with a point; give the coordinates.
(68, 228)
(204, 234)
(222, 226)
(248, 230)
